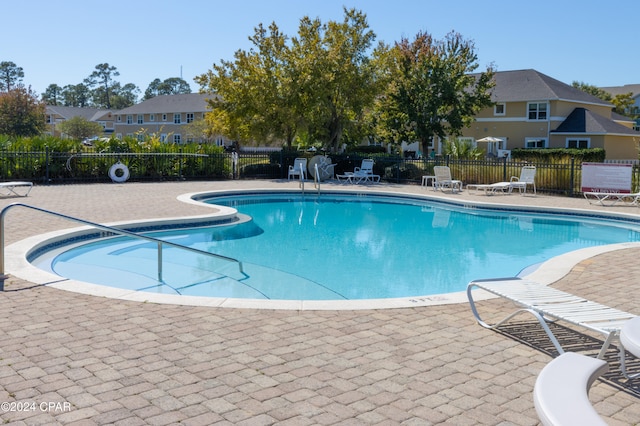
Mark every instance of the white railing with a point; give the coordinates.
(113, 230)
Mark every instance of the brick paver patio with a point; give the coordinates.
(68, 358)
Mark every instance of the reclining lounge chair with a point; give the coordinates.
(548, 304)
(10, 188)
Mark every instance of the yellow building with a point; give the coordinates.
(533, 110)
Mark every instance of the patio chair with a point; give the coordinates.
(299, 169)
(629, 341)
(561, 392)
(10, 188)
(492, 188)
(548, 304)
(444, 180)
(361, 174)
(527, 177)
(612, 198)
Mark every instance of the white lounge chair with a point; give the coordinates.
(548, 304)
(362, 174)
(561, 392)
(299, 169)
(611, 198)
(492, 188)
(444, 180)
(629, 341)
(10, 188)
(527, 177)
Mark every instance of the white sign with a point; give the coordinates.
(606, 177)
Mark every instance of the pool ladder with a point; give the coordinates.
(316, 178)
(110, 229)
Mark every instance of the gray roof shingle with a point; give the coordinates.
(531, 85)
(581, 120)
(190, 102)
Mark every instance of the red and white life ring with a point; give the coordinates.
(123, 176)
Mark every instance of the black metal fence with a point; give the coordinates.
(50, 167)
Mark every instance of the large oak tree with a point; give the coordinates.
(431, 88)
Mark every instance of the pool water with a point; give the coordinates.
(339, 247)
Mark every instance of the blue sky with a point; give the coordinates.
(62, 42)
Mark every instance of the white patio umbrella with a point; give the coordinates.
(492, 142)
(489, 139)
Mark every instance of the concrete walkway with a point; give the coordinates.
(68, 358)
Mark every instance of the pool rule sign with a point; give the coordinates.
(606, 177)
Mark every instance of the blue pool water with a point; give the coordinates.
(338, 247)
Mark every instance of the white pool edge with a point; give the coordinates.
(16, 265)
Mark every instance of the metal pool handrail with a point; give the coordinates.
(159, 242)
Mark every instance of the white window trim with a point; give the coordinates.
(566, 142)
(527, 140)
(538, 111)
(504, 109)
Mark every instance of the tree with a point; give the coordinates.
(102, 83)
(336, 77)
(622, 102)
(592, 90)
(76, 95)
(319, 84)
(124, 96)
(170, 86)
(52, 95)
(80, 128)
(431, 90)
(257, 96)
(21, 113)
(10, 75)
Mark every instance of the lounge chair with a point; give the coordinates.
(561, 392)
(444, 180)
(492, 188)
(362, 174)
(527, 177)
(611, 198)
(629, 341)
(299, 169)
(548, 304)
(10, 188)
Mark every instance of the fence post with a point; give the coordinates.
(572, 178)
(46, 167)
(504, 168)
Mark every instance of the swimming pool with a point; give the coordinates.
(338, 247)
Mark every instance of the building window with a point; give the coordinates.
(152, 117)
(537, 110)
(140, 118)
(129, 119)
(578, 143)
(499, 109)
(103, 124)
(164, 117)
(140, 137)
(535, 143)
(176, 118)
(49, 119)
(163, 137)
(119, 119)
(189, 117)
(176, 138)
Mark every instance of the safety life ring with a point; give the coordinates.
(115, 176)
